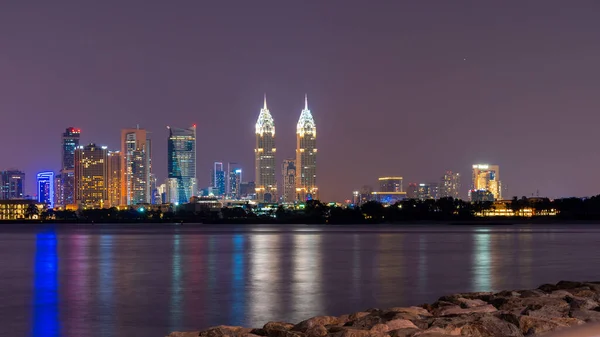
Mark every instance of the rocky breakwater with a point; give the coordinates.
(508, 313)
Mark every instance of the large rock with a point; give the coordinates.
(481, 325)
(366, 322)
(225, 331)
(411, 310)
(457, 310)
(544, 306)
(588, 316)
(270, 326)
(311, 322)
(538, 325)
(352, 332)
(393, 325)
(184, 334)
(406, 332)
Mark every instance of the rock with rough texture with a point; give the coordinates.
(518, 313)
(311, 322)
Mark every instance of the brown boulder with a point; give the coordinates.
(352, 332)
(456, 310)
(537, 325)
(435, 332)
(587, 316)
(569, 285)
(311, 322)
(270, 326)
(406, 332)
(470, 303)
(393, 325)
(184, 334)
(224, 331)
(537, 306)
(481, 325)
(316, 331)
(411, 310)
(358, 315)
(366, 322)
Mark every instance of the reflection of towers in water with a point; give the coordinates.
(265, 279)
(175, 289)
(390, 265)
(46, 287)
(524, 257)
(307, 261)
(483, 261)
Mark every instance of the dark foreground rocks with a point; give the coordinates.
(518, 313)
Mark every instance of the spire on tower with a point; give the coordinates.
(265, 107)
(305, 102)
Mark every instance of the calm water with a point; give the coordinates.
(108, 280)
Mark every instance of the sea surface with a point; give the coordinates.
(148, 280)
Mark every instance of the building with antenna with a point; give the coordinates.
(306, 155)
(264, 156)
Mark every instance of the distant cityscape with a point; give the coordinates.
(94, 177)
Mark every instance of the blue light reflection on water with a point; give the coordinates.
(45, 292)
(238, 279)
(176, 298)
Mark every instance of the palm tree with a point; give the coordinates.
(32, 211)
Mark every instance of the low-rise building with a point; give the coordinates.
(20, 209)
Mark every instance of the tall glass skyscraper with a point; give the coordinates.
(306, 155)
(234, 180)
(12, 185)
(45, 188)
(65, 184)
(264, 155)
(136, 168)
(181, 163)
(91, 176)
(219, 181)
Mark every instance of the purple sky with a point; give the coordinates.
(396, 88)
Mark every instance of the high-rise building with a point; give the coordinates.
(487, 178)
(115, 174)
(427, 191)
(412, 191)
(288, 172)
(136, 167)
(306, 155)
(219, 182)
(91, 176)
(182, 164)
(390, 184)
(66, 188)
(264, 152)
(450, 185)
(12, 185)
(45, 188)
(248, 190)
(234, 180)
(58, 190)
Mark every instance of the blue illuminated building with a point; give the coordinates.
(45, 188)
(218, 181)
(181, 165)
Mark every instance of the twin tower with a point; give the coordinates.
(305, 178)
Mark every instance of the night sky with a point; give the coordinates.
(396, 87)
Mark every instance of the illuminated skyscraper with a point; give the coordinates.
(266, 184)
(219, 181)
(12, 185)
(288, 172)
(234, 180)
(181, 164)
(450, 185)
(306, 155)
(91, 176)
(390, 184)
(427, 191)
(115, 174)
(45, 188)
(136, 168)
(66, 183)
(487, 178)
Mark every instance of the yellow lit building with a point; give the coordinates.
(17, 209)
(487, 178)
(136, 168)
(390, 184)
(115, 173)
(264, 155)
(91, 176)
(306, 155)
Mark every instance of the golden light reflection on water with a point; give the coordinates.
(265, 269)
(482, 260)
(422, 266)
(390, 264)
(306, 274)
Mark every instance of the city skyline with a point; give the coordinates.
(481, 85)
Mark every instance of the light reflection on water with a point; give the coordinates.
(111, 281)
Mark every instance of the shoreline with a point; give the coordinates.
(510, 313)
